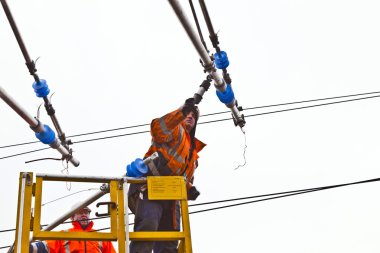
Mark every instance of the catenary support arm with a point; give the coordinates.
(219, 83)
(33, 71)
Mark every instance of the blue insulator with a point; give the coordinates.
(221, 60)
(47, 136)
(226, 97)
(41, 88)
(137, 168)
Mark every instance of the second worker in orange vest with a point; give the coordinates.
(81, 222)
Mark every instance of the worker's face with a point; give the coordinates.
(82, 216)
(189, 121)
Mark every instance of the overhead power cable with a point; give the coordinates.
(23, 153)
(289, 194)
(271, 196)
(206, 122)
(203, 115)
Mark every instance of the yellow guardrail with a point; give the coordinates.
(159, 188)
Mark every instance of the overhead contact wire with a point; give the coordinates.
(203, 115)
(207, 122)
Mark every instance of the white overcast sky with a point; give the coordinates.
(121, 63)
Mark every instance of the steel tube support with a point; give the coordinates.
(94, 179)
(18, 109)
(209, 65)
(191, 33)
(68, 214)
(35, 125)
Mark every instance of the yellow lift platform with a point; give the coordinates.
(159, 188)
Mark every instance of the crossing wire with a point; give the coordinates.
(204, 115)
(270, 196)
(205, 122)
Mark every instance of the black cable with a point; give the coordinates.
(19, 144)
(197, 24)
(206, 122)
(291, 103)
(254, 201)
(77, 135)
(213, 36)
(281, 195)
(47, 158)
(288, 195)
(109, 137)
(291, 109)
(311, 106)
(68, 195)
(23, 153)
(203, 115)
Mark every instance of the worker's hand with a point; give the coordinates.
(188, 106)
(192, 193)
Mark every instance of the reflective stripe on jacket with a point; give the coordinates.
(60, 246)
(172, 142)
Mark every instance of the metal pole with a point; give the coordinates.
(68, 214)
(191, 33)
(35, 125)
(18, 109)
(94, 179)
(126, 216)
(21, 210)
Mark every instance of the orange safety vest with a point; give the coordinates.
(171, 140)
(59, 246)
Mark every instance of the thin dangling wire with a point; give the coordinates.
(245, 149)
(66, 168)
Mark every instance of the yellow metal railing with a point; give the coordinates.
(159, 188)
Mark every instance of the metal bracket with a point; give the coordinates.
(109, 205)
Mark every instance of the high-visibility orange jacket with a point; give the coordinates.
(171, 140)
(59, 246)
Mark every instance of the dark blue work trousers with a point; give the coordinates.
(155, 215)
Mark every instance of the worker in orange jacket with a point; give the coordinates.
(173, 138)
(81, 222)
